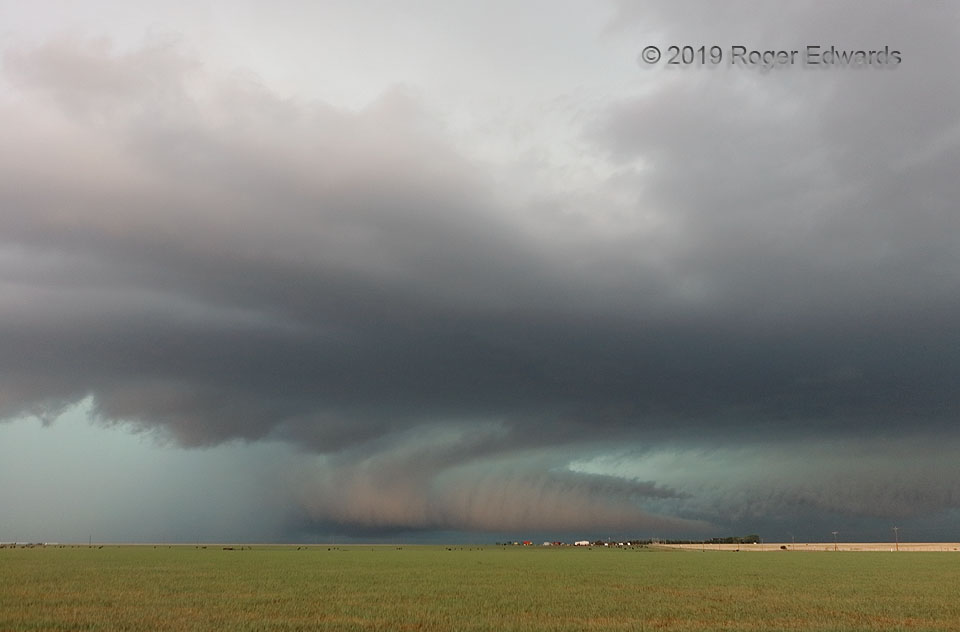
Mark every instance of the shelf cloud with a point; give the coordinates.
(744, 270)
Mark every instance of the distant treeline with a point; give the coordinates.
(732, 539)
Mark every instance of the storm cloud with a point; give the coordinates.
(746, 260)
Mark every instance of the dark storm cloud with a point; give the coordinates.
(200, 255)
(813, 212)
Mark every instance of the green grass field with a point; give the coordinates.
(492, 588)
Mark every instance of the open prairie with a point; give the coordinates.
(471, 588)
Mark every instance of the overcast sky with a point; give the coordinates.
(295, 271)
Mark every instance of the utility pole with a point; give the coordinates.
(896, 535)
(835, 539)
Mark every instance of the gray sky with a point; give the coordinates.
(291, 271)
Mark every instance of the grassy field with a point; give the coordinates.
(492, 588)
